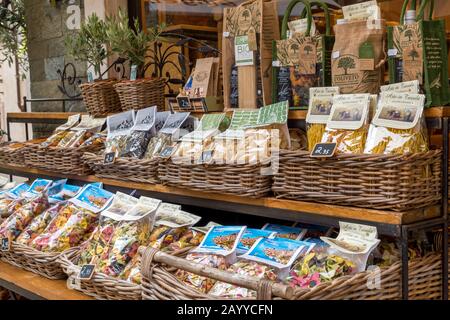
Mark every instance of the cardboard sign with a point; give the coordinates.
(5, 244)
(110, 158)
(86, 272)
(324, 150)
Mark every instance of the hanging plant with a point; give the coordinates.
(130, 42)
(90, 43)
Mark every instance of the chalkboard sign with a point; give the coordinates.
(86, 272)
(167, 152)
(284, 85)
(5, 244)
(324, 150)
(184, 102)
(206, 157)
(110, 157)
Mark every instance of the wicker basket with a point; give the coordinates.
(16, 156)
(100, 97)
(394, 182)
(126, 169)
(240, 179)
(141, 93)
(62, 160)
(425, 276)
(160, 283)
(45, 264)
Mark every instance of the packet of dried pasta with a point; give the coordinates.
(141, 133)
(347, 124)
(119, 127)
(244, 268)
(12, 199)
(133, 231)
(75, 221)
(398, 126)
(172, 216)
(87, 127)
(61, 132)
(249, 238)
(98, 242)
(320, 102)
(293, 233)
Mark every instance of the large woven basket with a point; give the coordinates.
(244, 180)
(100, 97)
(62, 160)
(16, 156)
(141, 93)
(160, 283)
(425, 276)
(126, 169)
(394, 182)
(45, 264)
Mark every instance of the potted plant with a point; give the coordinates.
(90, 45)
(133, 44)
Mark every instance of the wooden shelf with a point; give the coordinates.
(388, 221)
(33, 286)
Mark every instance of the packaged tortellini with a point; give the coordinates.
(119, 127)
(320, 103)
(133, 231)
(398, 126)
(61, 132)
(141, 133)
(347, 124)
(87, 127)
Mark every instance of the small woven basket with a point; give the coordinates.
(126, 169)
(62, 160)
(141, 93)
(160, 283)
(45, 264)
(244, 180)
(16, 156)
(392, 182)
(425, 276)
(100, 97)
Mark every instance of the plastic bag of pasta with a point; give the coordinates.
(99, 240)
(133, 231)
(320, 102)
(61, 132)
(141, 133)
(74, 222)
(11, 200)
(347, 125)
(243, 268)
(398, 126)
(119, 127)
(87, 127)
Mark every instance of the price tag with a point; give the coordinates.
(206, 157)
(392, 52)
(110, 158)
(86, 272)
(276, 63)
(324, 150)
(184, 102)
(335, 54)
(5, 245)
(226, 34)
(133, 73)
(90, 77)
(167, 152)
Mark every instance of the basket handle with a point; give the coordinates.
(263, 288)
(284, 24)
(421, 12)
(326, 12)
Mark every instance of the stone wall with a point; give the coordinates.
(47, 29)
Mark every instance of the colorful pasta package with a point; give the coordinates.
(76, 220)
(133, 231)
(320, 102)
(12, 200)
(100, 238)
(119, 127)
(293, 233)
(279, 253)
(250, 236)
(243, 268)
(87, 127)
(398, 126)
(61, 132)
(347, 124)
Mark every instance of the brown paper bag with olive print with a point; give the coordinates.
(257, 19)
(357, 62)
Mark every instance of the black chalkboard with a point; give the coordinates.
(184, 102)
(86, 271)
(110, 157)
(284, 85)
(324, 150)
(4, 244)
(167, 152)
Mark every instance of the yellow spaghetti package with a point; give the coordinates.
(398, 126)
(347, 123)
(320, 103)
